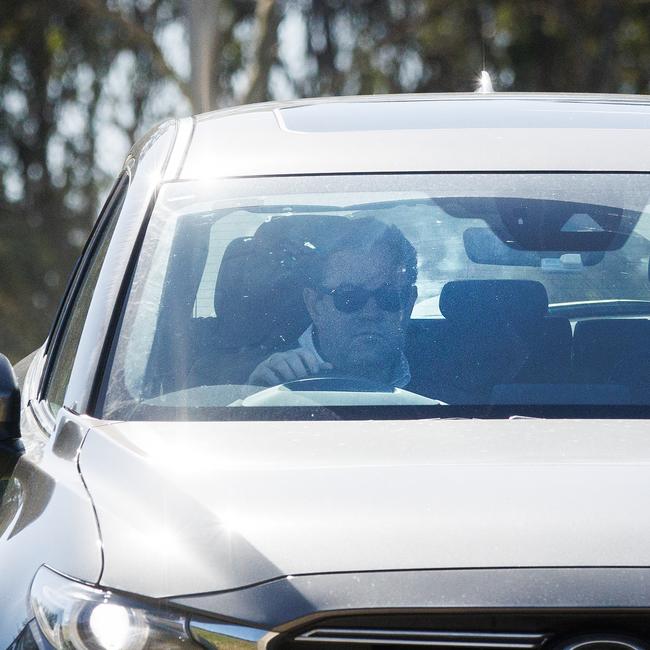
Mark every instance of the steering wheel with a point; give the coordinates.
(337, 383)
(337, 386)
(312, 391)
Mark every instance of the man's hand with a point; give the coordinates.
(282, 367)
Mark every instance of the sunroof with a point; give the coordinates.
(471, 113)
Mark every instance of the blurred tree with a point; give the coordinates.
(264, 51)
(80, 79)
(204, 28)
(57, 63)
(372, 46)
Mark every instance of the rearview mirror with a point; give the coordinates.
(484, 247)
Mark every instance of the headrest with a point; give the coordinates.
(513, 300)
(612, 336)
(613, 350)
(258, 294)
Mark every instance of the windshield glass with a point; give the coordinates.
(387, 295)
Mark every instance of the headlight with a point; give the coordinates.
(74, 616)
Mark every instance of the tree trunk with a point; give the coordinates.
(267, 20)
(203, 32)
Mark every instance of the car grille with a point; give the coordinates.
(433, 639)
(486, 630)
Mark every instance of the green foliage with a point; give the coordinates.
(442, 45)
(55, 60)
(58, 61)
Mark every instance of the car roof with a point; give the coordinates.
(420, 133)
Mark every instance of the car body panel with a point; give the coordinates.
(298, 600)
(497, 146)
(219, 506)
(46, 518)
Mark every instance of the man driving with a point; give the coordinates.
(360, 294)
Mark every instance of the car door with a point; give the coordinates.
(46, 516)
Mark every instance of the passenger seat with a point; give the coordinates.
(494, 332)
(614, 351)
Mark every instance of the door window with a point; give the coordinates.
(72, 317)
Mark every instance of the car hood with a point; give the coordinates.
(188, 508)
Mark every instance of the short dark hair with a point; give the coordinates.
(365, 233)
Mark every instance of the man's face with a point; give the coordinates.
(368, 341)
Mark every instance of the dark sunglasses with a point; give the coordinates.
(350, 298)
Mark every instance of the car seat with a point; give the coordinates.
(493, 332)
(616, 352)
(258, 297)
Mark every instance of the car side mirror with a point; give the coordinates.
(9, 402)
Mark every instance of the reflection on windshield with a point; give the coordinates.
(403, 292)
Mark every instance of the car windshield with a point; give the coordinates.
(387, 296)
